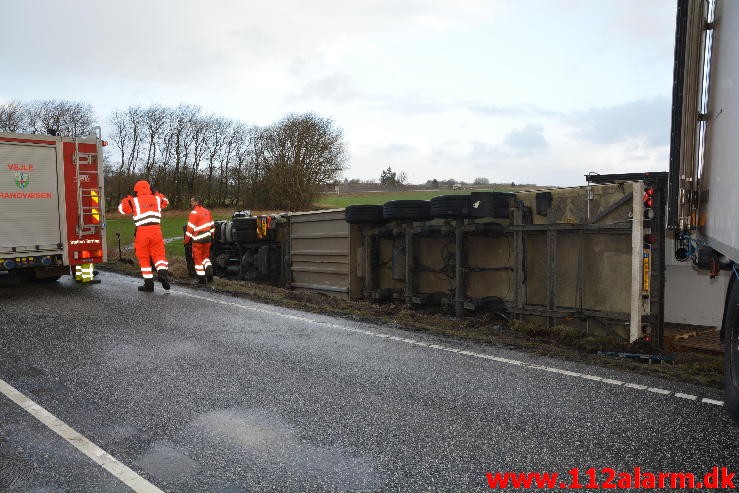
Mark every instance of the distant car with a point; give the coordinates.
(458, 186)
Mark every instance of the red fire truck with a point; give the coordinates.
(51, 206)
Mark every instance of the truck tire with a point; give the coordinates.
(730, 328)
(363, 214)
(245, 223)
(244, 230)
(415, 210)
(451, 206)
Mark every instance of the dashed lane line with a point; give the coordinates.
(98, 455)
(440, 347)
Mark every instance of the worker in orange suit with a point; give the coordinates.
(146, 207)
(199, 232)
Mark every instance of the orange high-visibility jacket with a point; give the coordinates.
(145, 207)
(200, 226)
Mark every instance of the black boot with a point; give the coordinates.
(200, 282)
(148, 286)
(209, 273)
(163, 276)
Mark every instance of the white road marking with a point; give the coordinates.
(465, 352)
(686, 396)
(98, 455)
(592, 377)
(658, 390)
(636, 386)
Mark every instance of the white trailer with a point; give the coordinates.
(704, 159)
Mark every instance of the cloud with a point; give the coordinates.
(527, 139)
(647, 119)
(490, 109)
(186, 41)
(341, 88)
(335, 88)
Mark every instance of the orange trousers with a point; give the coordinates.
(200, 253)
(149, 245)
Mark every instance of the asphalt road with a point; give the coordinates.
(198, 391)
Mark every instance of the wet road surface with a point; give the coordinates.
(198, 391)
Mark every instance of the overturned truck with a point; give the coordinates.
(590, 256)
(245, 247)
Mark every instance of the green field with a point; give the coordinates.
(173, 220)
(337, 201)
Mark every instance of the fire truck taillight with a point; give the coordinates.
(88, 254)
(104, 143)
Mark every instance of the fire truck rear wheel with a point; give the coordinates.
(730, 327)
(47, 279)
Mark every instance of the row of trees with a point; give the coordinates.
(51, 117)
(183, 152)
(390, 178)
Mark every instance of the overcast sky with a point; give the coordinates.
(530, 91)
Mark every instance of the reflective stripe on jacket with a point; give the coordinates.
(200, 225)
(146, 208)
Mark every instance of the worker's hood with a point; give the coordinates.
(142, 188)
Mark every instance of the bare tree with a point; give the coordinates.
(184, 153)
(120, 137)
(12, 117)
(218, 133)
(59, 117)
(155, 118)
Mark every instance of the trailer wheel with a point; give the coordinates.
(416, 210)
(730, 328)
(451, 206)
(363, 214)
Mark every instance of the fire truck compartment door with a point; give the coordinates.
(29, 198)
